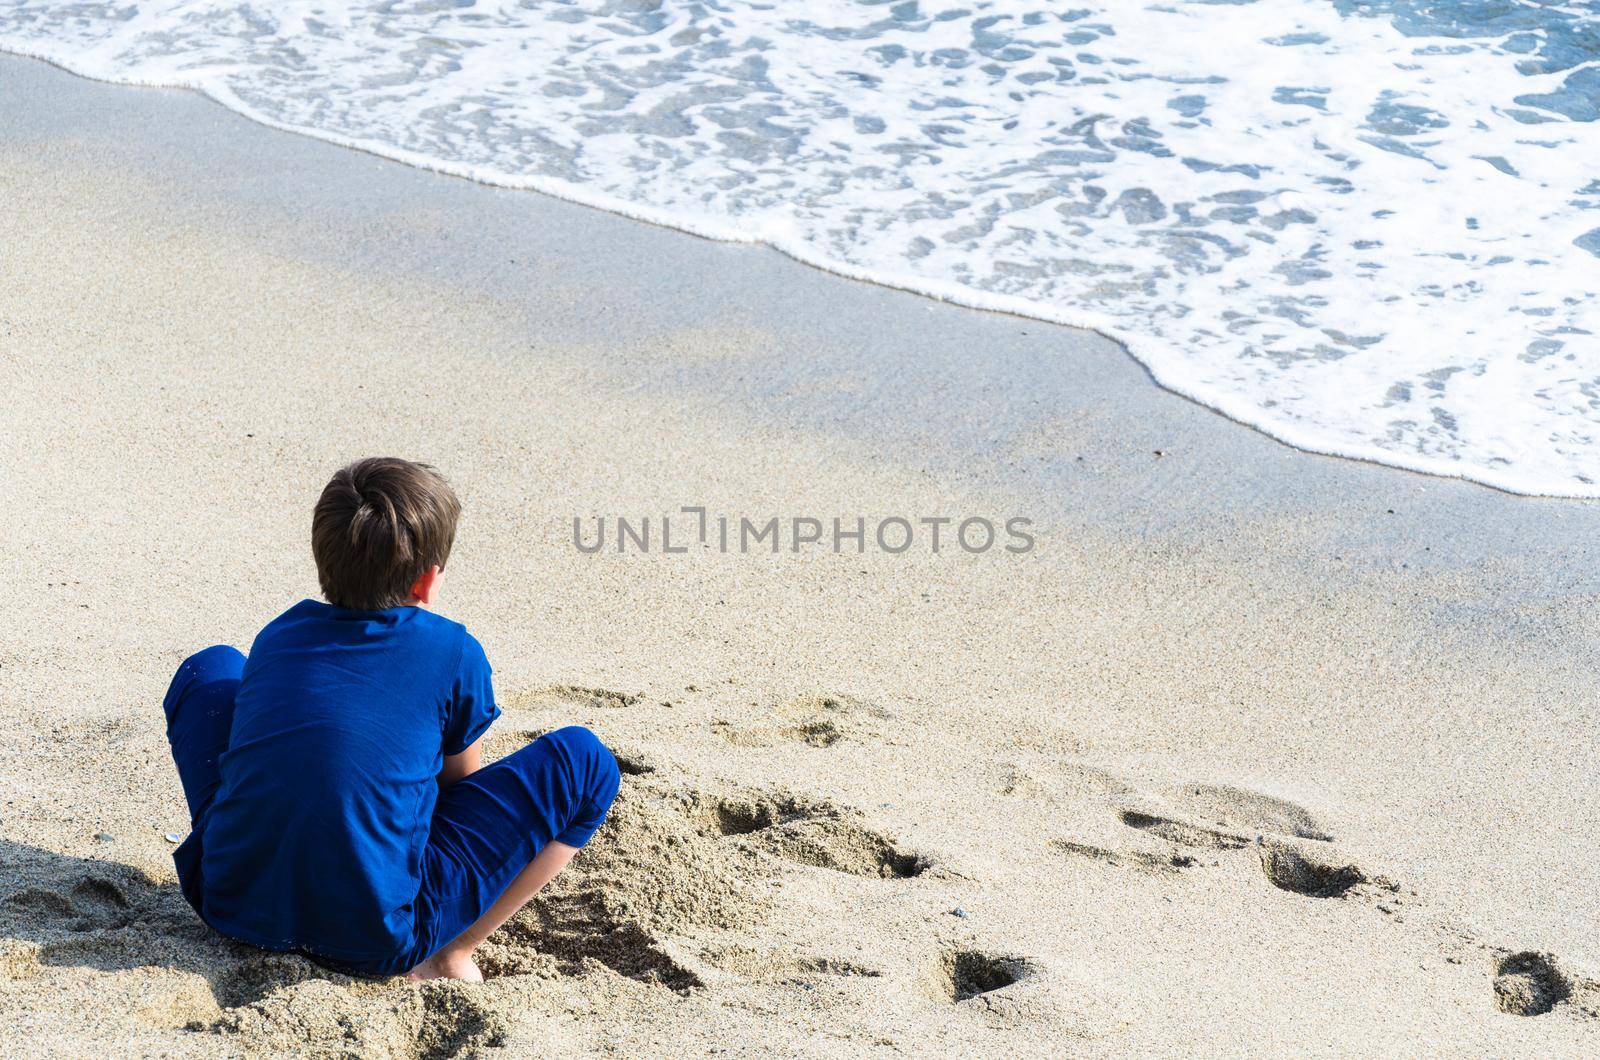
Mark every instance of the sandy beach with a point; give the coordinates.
(1255, 752)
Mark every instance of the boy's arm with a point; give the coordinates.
(461, 765)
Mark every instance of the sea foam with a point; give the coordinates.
(1367, 228)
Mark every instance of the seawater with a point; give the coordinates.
(1366, 228)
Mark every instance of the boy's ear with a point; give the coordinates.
(425, 588)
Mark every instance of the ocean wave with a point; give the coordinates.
(1370, 229)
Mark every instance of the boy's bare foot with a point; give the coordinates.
(447, 965)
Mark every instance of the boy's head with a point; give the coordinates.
(382, 532)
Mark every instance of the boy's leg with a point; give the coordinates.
(455, 960)
(501, 833)
(199, 708)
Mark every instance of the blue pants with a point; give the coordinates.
(485, 828)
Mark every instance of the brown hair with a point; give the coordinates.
(379, 525)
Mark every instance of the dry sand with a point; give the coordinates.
(1258, 753)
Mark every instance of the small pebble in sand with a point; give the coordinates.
(960, 912)
(172, 837)
(104, 837)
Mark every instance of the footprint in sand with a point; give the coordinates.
(1062, 779)
(1136, 859)
(816, 721)
(784, 966)
(1182, 832)
(571, 701)
(812, 833)
(962, 974)
(1290, 864)
(1529, 983)
(1251, 812)
(1293, 870)
(97, 902)
(580, 696)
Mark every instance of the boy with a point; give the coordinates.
(337, 805)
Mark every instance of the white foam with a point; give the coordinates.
(1302, 219)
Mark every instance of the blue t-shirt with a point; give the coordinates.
(340, 728)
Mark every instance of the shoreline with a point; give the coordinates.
(1013, 393)
(203, 315)
(1137, 348)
